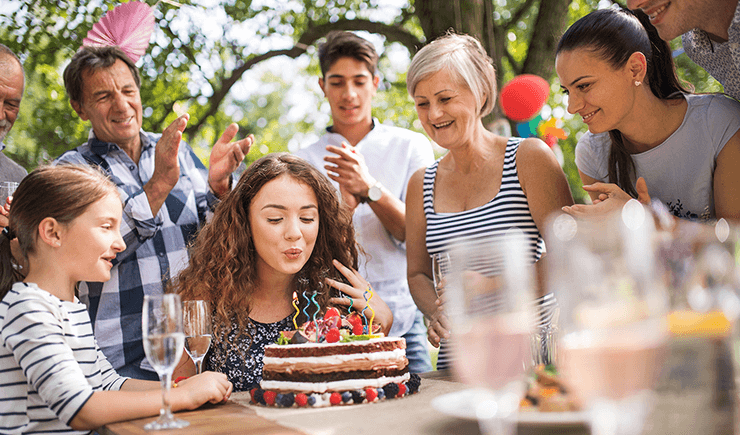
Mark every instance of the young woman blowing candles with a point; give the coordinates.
(648, 138)
(54, 376)
(282, 230)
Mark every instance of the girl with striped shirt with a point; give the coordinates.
(484, 186)
(65, 221)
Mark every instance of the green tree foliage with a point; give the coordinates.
(228, 61)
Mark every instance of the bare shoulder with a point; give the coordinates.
(533, 147)
(417, 179)
(534, 155)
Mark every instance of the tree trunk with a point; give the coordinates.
(475, 17)
(549, 26)
(462, 16)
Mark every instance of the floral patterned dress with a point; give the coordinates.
(240, 358)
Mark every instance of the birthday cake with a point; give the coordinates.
(334, 361)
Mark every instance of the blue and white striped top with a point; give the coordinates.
(508, 209)
(50, 364)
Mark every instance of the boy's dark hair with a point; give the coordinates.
(341, 44)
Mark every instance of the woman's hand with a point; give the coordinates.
(206, 387)
(439, 326)
(383, 314)
(607, 198)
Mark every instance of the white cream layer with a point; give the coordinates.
(398, 355)
(338, 344)
(322, 387)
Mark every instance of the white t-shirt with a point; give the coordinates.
(392, 155)
(678, 172)
(49, 360)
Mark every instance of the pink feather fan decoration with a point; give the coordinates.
(129, 26)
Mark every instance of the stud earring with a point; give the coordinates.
(638, 83)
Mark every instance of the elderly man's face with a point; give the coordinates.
(111, 101)
(11, 92)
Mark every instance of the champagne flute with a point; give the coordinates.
(162, 331)
(613, 309)
(440, 272)
(489, 298)
(197, 323)
(440, 269)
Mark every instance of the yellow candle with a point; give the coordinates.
(372, 317)
(295, 305)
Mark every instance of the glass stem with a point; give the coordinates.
(199, 366)
(166, 411)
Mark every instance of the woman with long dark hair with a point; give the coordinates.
(648, 136)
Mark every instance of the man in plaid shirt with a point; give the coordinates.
(166, 191)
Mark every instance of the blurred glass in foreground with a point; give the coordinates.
(612, 323)
(489, 299)
(697, 389)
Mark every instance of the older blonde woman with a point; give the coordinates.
(484, 185)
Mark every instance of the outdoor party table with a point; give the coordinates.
(675, 412)
(410, 415)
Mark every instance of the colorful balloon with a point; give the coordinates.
(523, 97)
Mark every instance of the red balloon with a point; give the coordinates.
(523, 97)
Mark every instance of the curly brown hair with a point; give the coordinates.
(223, 259)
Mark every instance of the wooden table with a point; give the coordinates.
(409, 415)
(228, 418)
(675, 412)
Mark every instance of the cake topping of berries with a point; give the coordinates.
(332, 328)
(259, 396)
(331, 312)
(270, 397)
(301, 399)
(285, 400)
(333, 336)
(357, 396)
(335, 399)
(391, 390)
(413, 383)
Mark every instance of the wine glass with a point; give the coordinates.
(440, 269)
(489, 300)
(613, 306)
(197, 324)
(162, 331)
